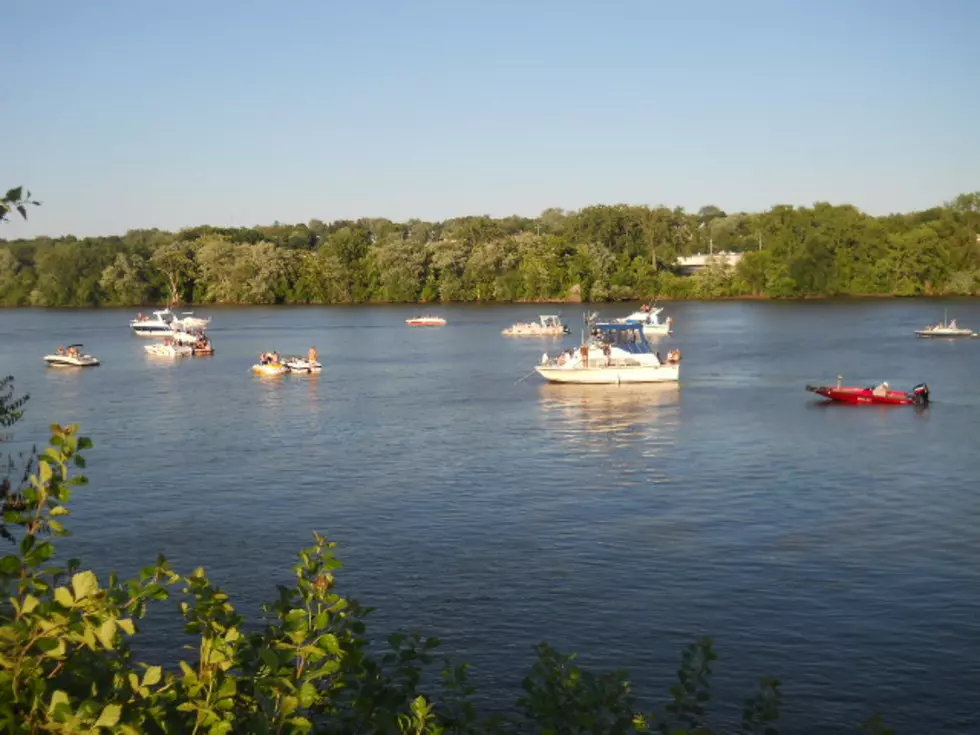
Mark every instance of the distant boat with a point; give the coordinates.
(945, 329)
(426, 321)
(649, 317)
(548, 325)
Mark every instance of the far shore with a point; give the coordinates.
(555, 302)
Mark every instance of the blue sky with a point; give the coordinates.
(121, 114)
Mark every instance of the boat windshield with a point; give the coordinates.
(627, 337)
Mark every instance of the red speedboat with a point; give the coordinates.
(879, 394)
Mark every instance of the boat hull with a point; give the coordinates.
(273, 369)
(69, 362)
(154, 330)
(946, 334)
(611, 375)
(868, 397)
(426, 322)
(540, 333)
(169, 350)
(303, 366)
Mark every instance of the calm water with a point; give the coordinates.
(834, 547)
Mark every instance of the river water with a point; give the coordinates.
(834, 547)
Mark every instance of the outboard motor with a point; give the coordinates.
(920, 393)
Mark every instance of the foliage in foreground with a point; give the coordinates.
(67, 664)
(598, 253)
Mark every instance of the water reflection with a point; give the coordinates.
(622, 414)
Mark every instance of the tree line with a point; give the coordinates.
(598, 253)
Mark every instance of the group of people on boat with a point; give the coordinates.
(69, 352)
(269, 358)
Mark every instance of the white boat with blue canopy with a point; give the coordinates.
(614, 353)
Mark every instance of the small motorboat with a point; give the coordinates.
(548, 325)
(270, 368)
(945, 329)
(169, 350)
(426, 321)
(879, 394)
(298, 364)
(70, 356)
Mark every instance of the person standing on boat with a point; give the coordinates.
(311, 356)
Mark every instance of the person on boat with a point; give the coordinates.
(311, 356)
(61, 350)
(544, 359)
(274, 357)
(880, 390)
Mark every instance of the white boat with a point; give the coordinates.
(171, 350)
(426, 321)
(165, 321)
(298, 364)
(70, 356)
(548, 325)
(616, 352)
(189, 321)
(945, 329)
(162, 322)
(649, 317)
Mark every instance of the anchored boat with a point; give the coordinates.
(649, 318)
(880, 394)
(548, 325)
(426, 321)
(614, 353)
(169, 350)
(945, 329)
(70, 356)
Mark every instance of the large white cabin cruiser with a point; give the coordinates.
(614, 353)
(649, 318)
(70, 357)
(162, 322)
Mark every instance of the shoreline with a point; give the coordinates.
(559, 302)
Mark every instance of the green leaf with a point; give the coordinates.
(45, 472)
(60, 510)
(30, 602)
(84, 584)
(127, 625)
(63, 597)
(14, 195)
(152, 676)
(59, 698)
(307, 695)
(269, 658)
(10, 565)
(110, 716)
(107, 633)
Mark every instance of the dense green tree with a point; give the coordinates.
(599, 253)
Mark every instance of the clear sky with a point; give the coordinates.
(132, 113)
